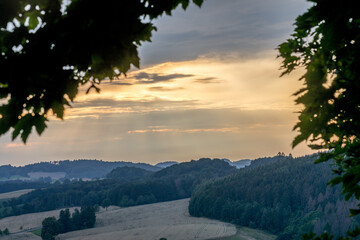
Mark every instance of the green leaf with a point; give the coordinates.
(184, 4)
(354, 212)
(58, 109)
(25, 133)
(40, 124)
(23, 127)
(16, 132)
(198, 2)
(298, 139)
(33, 21)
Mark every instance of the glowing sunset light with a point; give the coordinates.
(209, 87)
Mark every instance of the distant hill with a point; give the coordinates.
(254, 163)
(127, 173)
(238, 164)
(69, 169)
(211, 167)
(283, 195)
(166, 164)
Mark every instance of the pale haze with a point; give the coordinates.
(208, 86)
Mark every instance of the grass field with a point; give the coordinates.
(37, 232)
(168, 220)
(21, 236)
(154, 221)
(14, 194)
(26, 221)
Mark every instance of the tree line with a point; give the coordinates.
(14, 185)
(83, 219)
(4, 232)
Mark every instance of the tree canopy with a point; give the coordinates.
(326, 42)
(51, 48)
(79, 220)
(283, 195)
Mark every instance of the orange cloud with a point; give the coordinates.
(14, 145)
(195, 130)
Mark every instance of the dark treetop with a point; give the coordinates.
(326, 42)
(48, 52)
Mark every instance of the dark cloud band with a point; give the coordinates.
(147, 78)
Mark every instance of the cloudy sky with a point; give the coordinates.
(208, 86)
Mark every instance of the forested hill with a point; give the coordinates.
(174, 182)
(73, 169)
(287, 197)
(128, 173)
(84, 168)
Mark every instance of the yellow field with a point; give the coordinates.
(14, 194)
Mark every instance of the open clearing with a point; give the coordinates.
(14, 194)
(153, 221)
(26, 221)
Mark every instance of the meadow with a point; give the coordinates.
(169, 220)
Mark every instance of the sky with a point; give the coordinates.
(209, 86)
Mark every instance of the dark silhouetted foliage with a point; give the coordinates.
(106, 203)
(326, 42)
(83, 219)
(65, 224)
(4, 232)
(47, 53)
(50, 228)
(87, 217)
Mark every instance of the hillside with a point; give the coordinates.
(241, 163)
(175, 182)
(127, 173)
(201, 168)
(283, 195)
(83, 168)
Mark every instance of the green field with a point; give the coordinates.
(37, 232)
